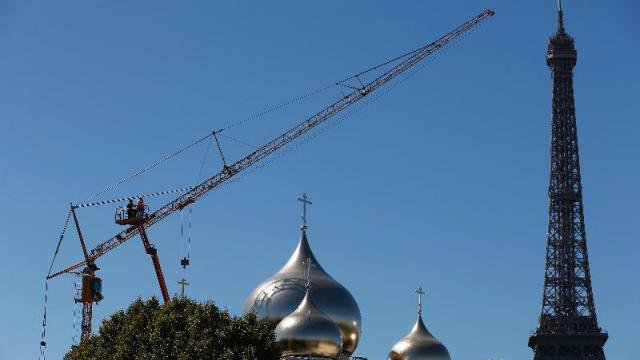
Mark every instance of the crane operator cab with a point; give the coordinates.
(132, 214)
(91, 290)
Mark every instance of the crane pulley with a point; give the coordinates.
(193, 194)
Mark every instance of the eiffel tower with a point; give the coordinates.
(568, 328)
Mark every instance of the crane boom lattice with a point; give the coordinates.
(277, 143)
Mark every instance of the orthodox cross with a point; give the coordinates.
(183, 283)
(305, 201)
(420, 292)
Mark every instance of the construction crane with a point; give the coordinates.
(91, 285)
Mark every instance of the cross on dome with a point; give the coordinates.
(420, 292)
(305, 201)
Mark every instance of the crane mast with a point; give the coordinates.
(277, 143)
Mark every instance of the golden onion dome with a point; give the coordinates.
(280, 295)
(419, 344)
(308, 332)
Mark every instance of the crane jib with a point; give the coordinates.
(277, 143)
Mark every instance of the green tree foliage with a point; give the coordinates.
(181, 329)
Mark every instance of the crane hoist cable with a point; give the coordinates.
(185, 244)
(185, 247)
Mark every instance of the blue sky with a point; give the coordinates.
(440, 183)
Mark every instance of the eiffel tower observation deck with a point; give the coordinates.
(568, 327)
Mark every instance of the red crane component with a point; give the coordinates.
(151, 250)
(139, 225)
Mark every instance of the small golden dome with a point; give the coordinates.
(419, 344)
(309, 332)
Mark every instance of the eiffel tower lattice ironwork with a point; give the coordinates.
(568, 328)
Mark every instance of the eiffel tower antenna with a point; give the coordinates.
(560, 17)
